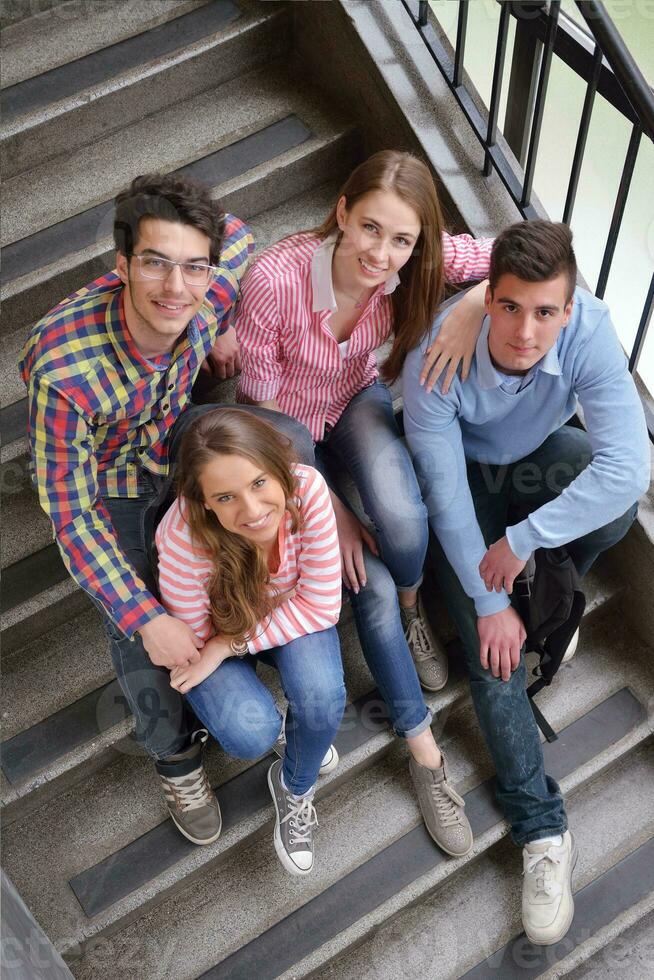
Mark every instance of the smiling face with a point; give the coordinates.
(526, 320)
(158, 311)
(379, 233)
(245, 499)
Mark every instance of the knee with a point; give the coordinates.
(378, 597)
(301, 439)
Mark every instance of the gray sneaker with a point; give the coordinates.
(330, 758)
(191, 801)
(294, 820)
(427, 652)
(442, 809)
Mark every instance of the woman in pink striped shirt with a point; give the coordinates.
(313, 310)
(249, 559)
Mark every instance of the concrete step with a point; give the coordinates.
(277, 144)
(625, 949)
(184, 132)
(464, 927)
(104, 808)
(66, 32)
(102, 93)
(25, 528)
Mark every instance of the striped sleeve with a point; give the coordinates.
(465, 257)
(315, 603)
(183, 574)
(258, 329)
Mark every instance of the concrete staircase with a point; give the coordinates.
(212, 88)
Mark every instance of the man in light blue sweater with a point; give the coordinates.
(503, 473)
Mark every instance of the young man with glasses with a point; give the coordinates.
(503, 473)
(109, 373)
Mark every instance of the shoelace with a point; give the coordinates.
(447, 800)
(190, 792)
(543, 865)
(302, 817)
(418, 640)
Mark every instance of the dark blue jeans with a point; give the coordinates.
(163, 720)
(240, 712)
(503, 495)
(366, 443)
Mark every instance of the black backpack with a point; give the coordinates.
(551, 603)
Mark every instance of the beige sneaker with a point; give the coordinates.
(547, 903)
(427, 652)
(442, 809)
(191, 802)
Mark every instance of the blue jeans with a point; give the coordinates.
(502, 496)
(367, 444)
(240, 712)
(163, 720)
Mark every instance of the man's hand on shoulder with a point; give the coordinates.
(500, 641)
(499, 567)
(169, 642)
(224, 358)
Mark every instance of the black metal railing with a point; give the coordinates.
(601, 59)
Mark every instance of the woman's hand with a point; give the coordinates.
(456, 340)
(212, 655)
(352, 536)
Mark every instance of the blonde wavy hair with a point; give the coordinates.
(240, 593)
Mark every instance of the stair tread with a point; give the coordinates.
(479, 912)
(67, 186)
(126, 795)
(76, 29)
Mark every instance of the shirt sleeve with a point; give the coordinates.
(619, 470)
(238, 244)
(183, 575)
(65, 469)
(465, 257)
(433, 432)
(316, 602)
(259, 330)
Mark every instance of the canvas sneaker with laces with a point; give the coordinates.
(426, 650)
(547, 903)
(329, 761)
(294, 823)
(442, 809)
(191, 802)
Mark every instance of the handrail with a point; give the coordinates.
(635, 85)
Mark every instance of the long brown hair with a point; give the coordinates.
(416, 299)
(239, 592)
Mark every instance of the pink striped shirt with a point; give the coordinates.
(310, 565)
(282, 319)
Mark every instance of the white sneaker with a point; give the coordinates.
(572, 647)
(329, 761)
(547, 903)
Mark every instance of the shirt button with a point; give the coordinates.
(140, 450)
(170, 387)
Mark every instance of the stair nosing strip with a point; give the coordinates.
(368, 886)
(236, 158)
(98, 67)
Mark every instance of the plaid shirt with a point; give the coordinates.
(98, 411)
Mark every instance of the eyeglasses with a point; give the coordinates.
(193, 273)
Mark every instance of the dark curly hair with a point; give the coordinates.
(170, 198)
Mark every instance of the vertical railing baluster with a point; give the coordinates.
(582, 136)
(462, 27)
(496, 88)
(534, 139)
(643, 327)
(423, 9)
(618, 210)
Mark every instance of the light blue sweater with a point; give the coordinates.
(494, 419)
